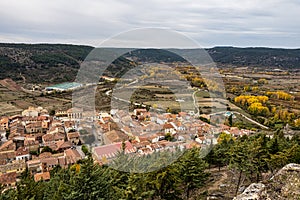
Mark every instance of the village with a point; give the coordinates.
(40, 142)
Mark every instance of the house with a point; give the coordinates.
(62, 145)
(71, 156)
(69, 125)
(178, 126)
(56, 129)
(48, 164)
(169, 128)
(110, 151)
(4, 123)
(34, 165)
(75, 113)
(31, 111)
(44, 176)
(22, 153)
(114, 136)
(8, 179)
(15, 166)
(139, 111)
(7, 152)
(16, 129)
(31, 143)
(34, 112)
(73, 137)
(8, 146)
(52, 138)
(160, 119)
(35, 127)
(61, 113)
(15, 118)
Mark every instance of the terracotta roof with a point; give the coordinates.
(8, 178)
(34, 125)
(168, 126)
(42, 118)
(62, 161)
(53, 137)
(42, 176)
(49, 161)
(21, 151)
(73, 135)
(110, 151)
(72, 156)
(68, 124)
(8, 145)
(64, 145)
(115, 136)
(30, 142)
(33, 162)
(4, 157)
(45, 155)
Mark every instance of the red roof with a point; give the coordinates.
(110, 151)
(168, 126)
(42, 176)
(8, 178)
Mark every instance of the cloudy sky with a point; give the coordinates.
(271, 23)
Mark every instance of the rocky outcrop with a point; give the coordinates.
(284, 185)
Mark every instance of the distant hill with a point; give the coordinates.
(41, 62)
(258, 57)
(53, 63)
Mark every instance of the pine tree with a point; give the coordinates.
(192, 168)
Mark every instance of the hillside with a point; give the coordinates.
(258, 57)
(35, 63)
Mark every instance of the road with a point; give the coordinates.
(195, 103)
(244, 116)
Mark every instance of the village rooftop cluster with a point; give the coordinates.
(40, 142)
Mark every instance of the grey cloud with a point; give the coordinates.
(210, 22)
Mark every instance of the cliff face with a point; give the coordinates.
(284, 185)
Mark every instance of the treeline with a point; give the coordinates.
(274, 116)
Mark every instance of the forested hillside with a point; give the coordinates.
(35, 63)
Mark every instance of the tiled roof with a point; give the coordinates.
(9, 145)
(110, 151)
(45, 155)
(72, 156)
(64, 145)
(49, 161)
(8, 178)
(168, 126)
(21, 151)
(115, 136)
(42, 176)
(72, 135)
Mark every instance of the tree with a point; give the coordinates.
(92, 182)
(52, 112)
(192, 172)
(239, 161)
(85, 150)
(230, 120)
(46, 149)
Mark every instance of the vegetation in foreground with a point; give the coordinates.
(186, 178)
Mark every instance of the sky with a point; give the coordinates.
(242, 23)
